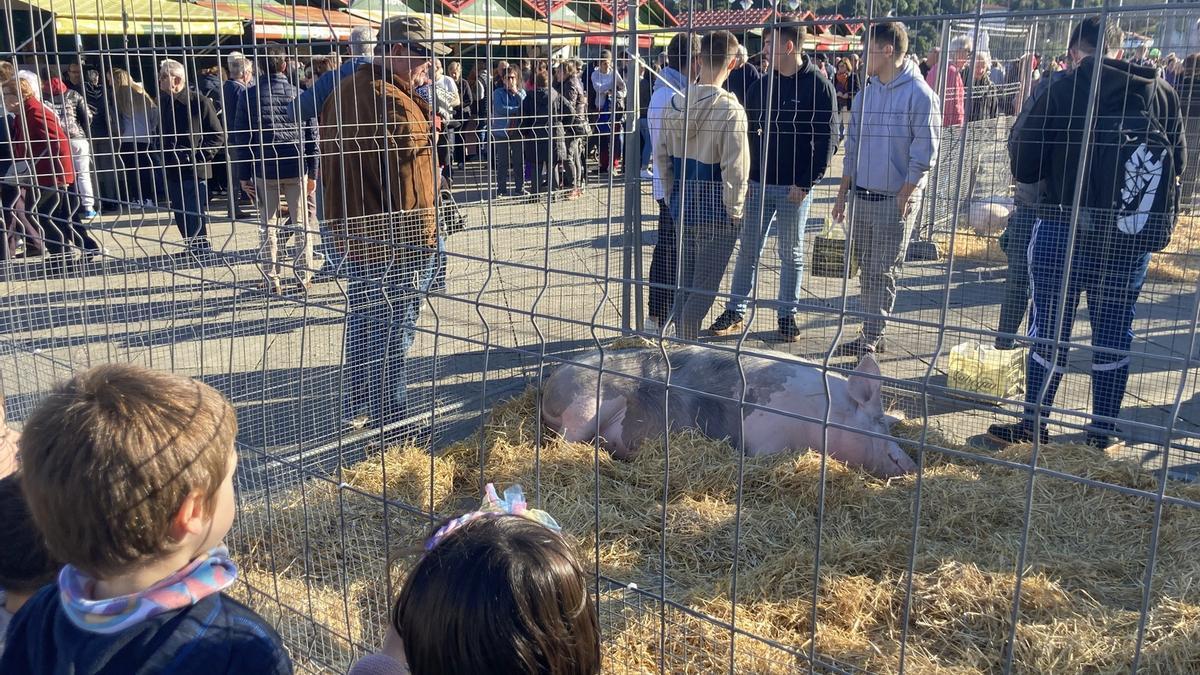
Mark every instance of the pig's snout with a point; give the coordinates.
(897, 463)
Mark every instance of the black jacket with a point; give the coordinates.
(576, 105)
(271, 139)
(1047, 145)
(741, 81)
(798, 134)
(191, 134)
(215, 635)
(541, 108)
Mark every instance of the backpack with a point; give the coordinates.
(1132, 190)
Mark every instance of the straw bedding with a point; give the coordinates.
(1178, 262)
(1080, 593)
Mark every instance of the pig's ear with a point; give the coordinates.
(865, 390)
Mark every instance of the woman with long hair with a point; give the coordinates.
(137, 121)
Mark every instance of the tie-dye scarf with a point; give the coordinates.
(208, 574)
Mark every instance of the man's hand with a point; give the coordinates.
(839, 207)
(248, 188)
(797, 194)
(904, 199)
(312, 186)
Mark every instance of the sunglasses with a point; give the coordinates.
(414, 48)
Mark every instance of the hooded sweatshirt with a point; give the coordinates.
(1048, 145)
(703, 139)
(793, 126)
(894, 132)
(668, 83)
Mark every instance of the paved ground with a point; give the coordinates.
(521, 282)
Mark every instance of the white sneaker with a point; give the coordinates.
(647, 174)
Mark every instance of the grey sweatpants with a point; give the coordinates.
(707, 248)
(879, 235)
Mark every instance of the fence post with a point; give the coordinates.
(631, 234)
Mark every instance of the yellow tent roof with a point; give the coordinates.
(518, 30)
(445, 28)
(137, 17)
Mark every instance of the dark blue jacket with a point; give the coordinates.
(215, 636)
(272, 139)
(313, 98)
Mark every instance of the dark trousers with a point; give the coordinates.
(138, 171)
(189, 205)
(542, 177)
(611, 149)
(1015, 243)
(510, 164)
(663, 276)
(1113, 280)
(58, 211)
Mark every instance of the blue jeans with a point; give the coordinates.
(643, 127)
(384, 304)
(1113, 280)
(333, 257)
(189, 204)
(764, 205)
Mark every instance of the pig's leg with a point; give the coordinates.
(582, 421)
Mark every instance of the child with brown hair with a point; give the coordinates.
(497, 591)
(128, 473)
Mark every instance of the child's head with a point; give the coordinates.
(498, 594)
(123, 466)
(25, 566)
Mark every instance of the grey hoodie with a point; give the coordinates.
(894, 133)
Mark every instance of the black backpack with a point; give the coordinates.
(1131, 187)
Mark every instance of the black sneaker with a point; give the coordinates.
(1005, 343)
(1021, 432)
(860, 347)
(727, 324)
(788, 330)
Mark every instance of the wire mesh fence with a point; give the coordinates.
(388, 287)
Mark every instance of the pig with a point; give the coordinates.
(631, 411)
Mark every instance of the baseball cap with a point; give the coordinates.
(411, 32)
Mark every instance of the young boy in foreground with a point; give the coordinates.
(128, 473)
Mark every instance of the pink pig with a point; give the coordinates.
(704, 394)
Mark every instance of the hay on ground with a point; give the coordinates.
(1178, 262)
(684, 529)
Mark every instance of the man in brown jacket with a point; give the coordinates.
(379, 175)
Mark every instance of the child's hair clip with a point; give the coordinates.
(512, 504)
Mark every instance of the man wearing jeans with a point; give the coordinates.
(1111, 252)
(895, 123)
(793, 135)
(277, 161)
(191, 134)
(380, 180)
